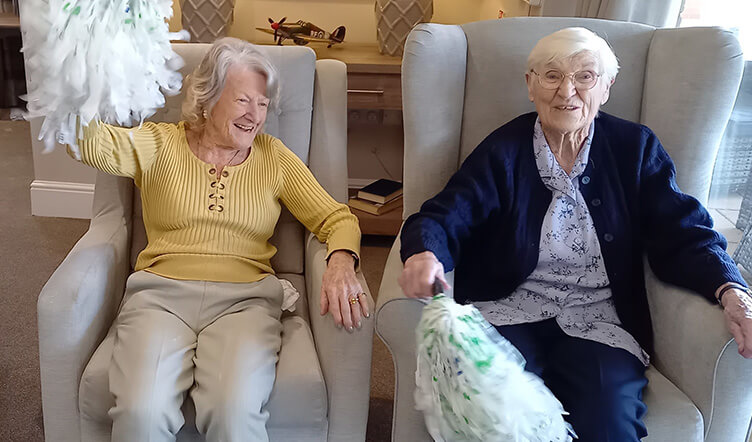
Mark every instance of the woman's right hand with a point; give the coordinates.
(419, 273)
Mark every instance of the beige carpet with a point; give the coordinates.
(31, 249)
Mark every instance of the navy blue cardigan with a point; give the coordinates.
(487, 221)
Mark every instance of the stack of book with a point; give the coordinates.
(379, 197)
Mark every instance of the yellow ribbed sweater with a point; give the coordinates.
(203, 228)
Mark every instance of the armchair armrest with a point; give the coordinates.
(396, 319)
(694, 350)
(77, 305)
(345, 358)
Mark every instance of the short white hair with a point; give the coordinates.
(204, 86)
(569, 42)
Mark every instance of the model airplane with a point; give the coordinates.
(303, 32)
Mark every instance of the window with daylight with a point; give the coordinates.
(730, 200)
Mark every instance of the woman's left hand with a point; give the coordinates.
(341, 293)
(737, 309)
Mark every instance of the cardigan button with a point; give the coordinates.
(212, 171)
(596, 202)
(586, 180)
(608, 237)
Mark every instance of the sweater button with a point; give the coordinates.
(225, 173)
(586, 180)
(608, 237)
(212, 171)
(596, 202)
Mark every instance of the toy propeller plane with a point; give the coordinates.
(303, 32)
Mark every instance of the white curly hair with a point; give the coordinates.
(569, 42)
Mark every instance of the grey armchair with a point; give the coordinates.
(322, 386)
(461, 82)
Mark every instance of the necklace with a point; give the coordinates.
(221, 168)
(198, 139)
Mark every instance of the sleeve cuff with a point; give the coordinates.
(344, 238)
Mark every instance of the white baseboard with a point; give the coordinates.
(61, 199)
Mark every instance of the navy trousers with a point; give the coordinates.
(600, 386)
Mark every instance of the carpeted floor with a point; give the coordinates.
(31, 249)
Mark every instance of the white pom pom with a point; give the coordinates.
(471, 384)
(181, 35)
(108, 60)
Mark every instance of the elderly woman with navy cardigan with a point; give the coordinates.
(547, 222)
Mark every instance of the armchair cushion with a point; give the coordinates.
(299, 381)
(671, 415)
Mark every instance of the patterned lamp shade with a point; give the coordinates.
(396, 18)
(207, 20)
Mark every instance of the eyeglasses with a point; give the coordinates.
(582, 80)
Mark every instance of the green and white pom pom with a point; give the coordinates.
(471, 383)
(106, 60)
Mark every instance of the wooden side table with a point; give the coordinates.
(374, 81)
(9, 21)
(388, 223)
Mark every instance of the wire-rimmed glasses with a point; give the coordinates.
(582, 80)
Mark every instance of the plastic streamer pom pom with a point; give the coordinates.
(471, 382)
(104, 60)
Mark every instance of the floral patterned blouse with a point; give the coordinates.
(570, 281)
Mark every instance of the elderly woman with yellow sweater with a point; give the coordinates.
(201, 312)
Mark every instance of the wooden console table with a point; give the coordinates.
(9, 21)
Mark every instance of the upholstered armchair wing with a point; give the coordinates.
(461, 82)
(322, 386)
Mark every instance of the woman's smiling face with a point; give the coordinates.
(240, 112)
(569, 107)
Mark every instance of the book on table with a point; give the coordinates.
(381, 191)
(375, 208)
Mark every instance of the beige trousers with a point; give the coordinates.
(217, 341)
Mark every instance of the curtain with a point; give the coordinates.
(659, 13)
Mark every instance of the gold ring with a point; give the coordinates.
(354, 300)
